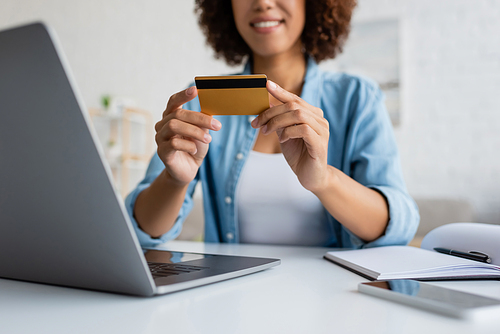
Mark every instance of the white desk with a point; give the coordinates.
(305, 294)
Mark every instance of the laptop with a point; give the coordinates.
(62, 222)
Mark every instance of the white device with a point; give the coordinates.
(433, 298)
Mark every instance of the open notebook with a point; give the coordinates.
(404, 262)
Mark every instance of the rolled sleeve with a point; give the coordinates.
(145, 239)
(402, 225)
(375, 164)
(154, 169)
(403, 218)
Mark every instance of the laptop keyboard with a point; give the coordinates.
(170, 269)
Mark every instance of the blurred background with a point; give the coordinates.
(437, 61)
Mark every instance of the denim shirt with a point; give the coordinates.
(362, 145)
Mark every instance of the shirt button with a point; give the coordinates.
(230, 236)
(251, 118)
(239, 156)
(228, 200)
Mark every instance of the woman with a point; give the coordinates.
(319, 167)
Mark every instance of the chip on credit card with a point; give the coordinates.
(233, 94)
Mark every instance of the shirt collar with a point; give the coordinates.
(310, 91)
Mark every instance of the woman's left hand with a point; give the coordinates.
(303, 133)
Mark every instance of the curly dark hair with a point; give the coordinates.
(325, 32)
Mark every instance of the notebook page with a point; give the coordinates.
(397, 259)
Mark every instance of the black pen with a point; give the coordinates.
(472, 255)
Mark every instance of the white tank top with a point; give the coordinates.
(274, 208)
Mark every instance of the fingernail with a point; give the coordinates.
(264, 129)
(255, 122)
(207, 138)
(272, 84)
(216, 124)
(190, 90)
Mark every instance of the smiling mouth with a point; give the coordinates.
(266, 24)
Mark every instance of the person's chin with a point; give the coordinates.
(266, 53)
(268, 49)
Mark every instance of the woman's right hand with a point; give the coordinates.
(182, 137)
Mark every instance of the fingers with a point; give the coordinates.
(291, 102)
(293, 119)
(287, 97)
(178, 99)
(184, 130)
(192, 117)
(186, 124)
(279, 93)
(176, 127)
(289, 114)
(179, 144)
(273, 112)
(311, 139)
(299, 131)
(293, 111)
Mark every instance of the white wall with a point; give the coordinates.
(450, 132)
(144, 49)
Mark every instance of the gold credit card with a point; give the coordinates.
(233, 94)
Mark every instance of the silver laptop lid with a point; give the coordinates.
(61, 220)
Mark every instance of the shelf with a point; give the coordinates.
(127, 140)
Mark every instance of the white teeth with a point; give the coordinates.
(266, 24)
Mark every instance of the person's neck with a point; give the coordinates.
(287, 70)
